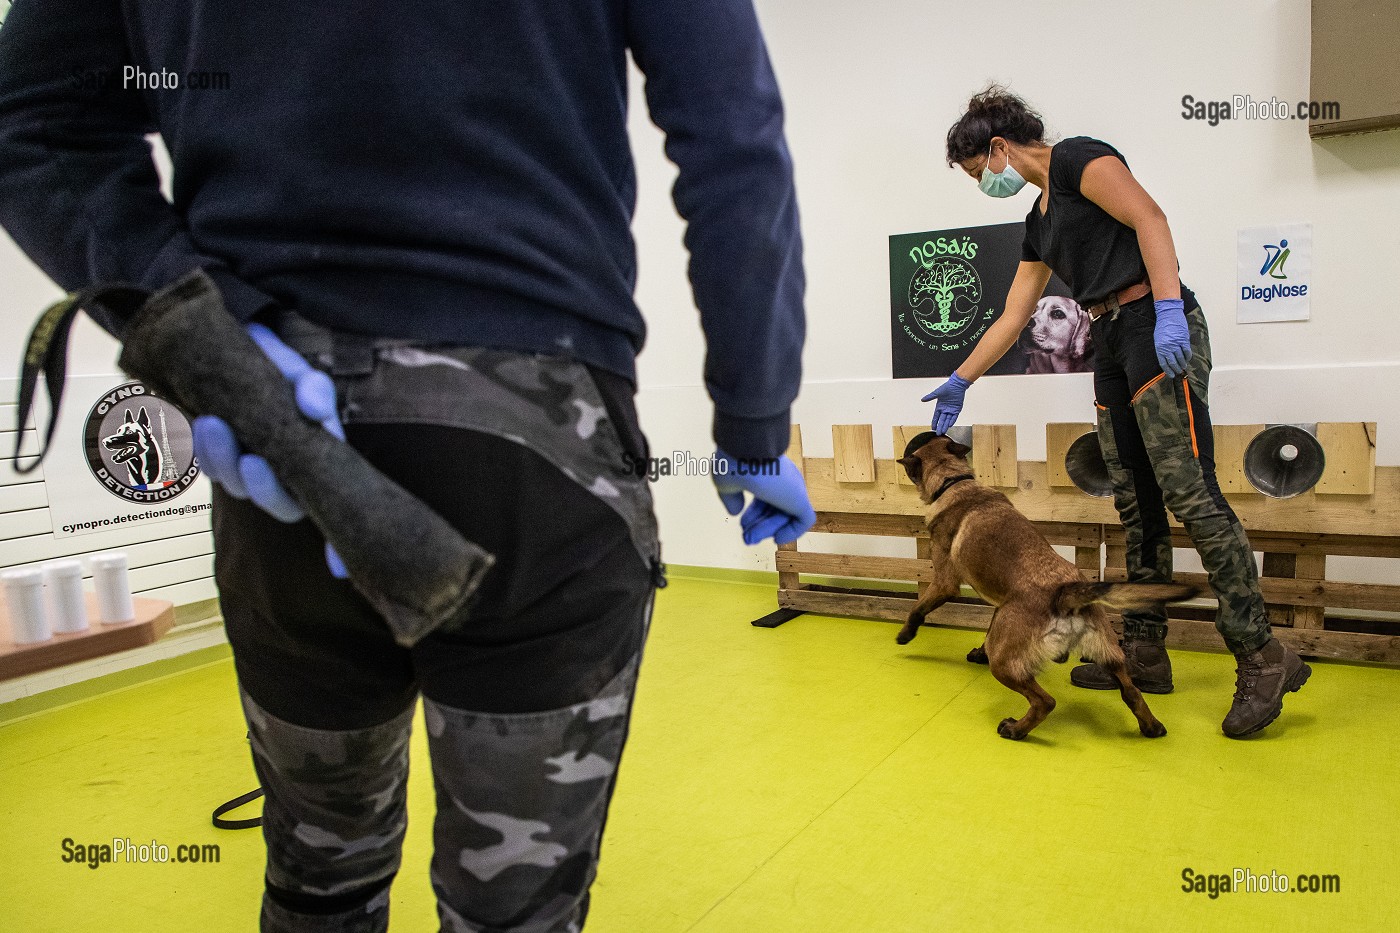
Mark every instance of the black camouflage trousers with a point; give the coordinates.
(1156, 438)
(526, 705)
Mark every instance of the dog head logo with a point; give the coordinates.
(930, 459)
(136, 447)
(139, 446)
(1056, 339)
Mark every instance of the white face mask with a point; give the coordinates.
(1001, 184)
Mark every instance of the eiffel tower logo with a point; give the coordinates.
(168, 473)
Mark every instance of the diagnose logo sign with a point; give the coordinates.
(1274, 273)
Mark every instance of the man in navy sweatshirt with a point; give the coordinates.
(432, 205)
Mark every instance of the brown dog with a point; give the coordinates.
(1044, 609)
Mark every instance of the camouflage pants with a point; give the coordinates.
(1156, 438)
(526, 706)
(521, 803)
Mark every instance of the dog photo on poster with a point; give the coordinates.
(948, 286)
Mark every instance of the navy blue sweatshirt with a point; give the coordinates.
(453, 170)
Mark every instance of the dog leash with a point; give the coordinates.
(46, 354)
(251, 823)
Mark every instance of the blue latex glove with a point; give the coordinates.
(1171, 336)
(950, 402)
(780, 508)
(248, 476)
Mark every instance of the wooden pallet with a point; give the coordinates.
(1353, 511)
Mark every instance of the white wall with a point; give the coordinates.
(871, 90)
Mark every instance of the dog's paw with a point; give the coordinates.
(1153, 730)
(904, 638)
(1007, 729)
(978, 655)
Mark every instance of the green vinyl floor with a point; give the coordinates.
(812, 778)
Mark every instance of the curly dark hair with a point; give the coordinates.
(993, 112)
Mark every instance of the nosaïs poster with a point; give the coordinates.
(948, 286)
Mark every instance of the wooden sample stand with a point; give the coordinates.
(154, 617)
(1353, 511)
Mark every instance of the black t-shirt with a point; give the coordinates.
(1094, 254)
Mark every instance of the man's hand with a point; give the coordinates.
(780, 508)
(248, 476)
(950, 402)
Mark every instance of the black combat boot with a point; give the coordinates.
(1261, 680)
(1148, 666)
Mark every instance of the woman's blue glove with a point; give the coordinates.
(950, 402)
(1171, 336)
(248, 476)
(780, 509)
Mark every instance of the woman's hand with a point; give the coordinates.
(950, 402)
(1171, 336)
(1026, 289)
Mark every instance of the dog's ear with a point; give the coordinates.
(913, 466)
(1079, 337)
(958, 450)
(143, 419)
(128, 419)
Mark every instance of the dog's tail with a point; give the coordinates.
(1072, 597)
